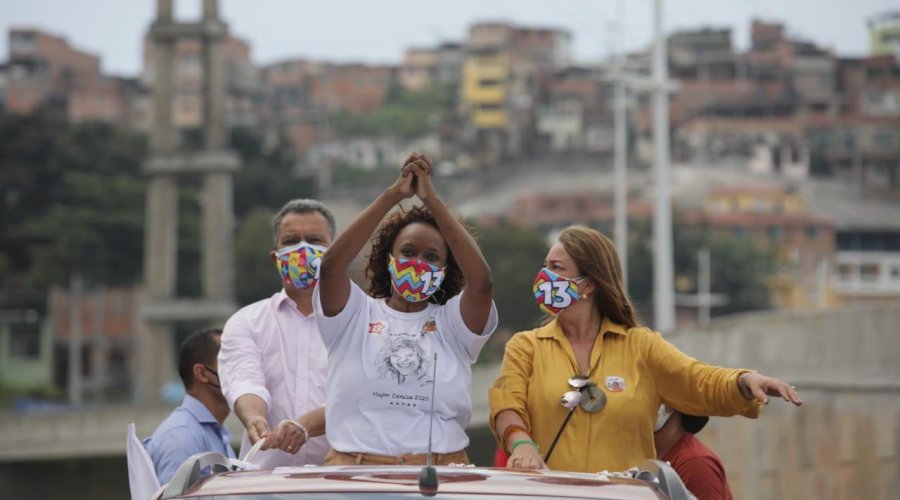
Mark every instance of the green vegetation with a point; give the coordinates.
(403, 113)
(739, 267)
(515, 255)
(353, 176)
(73, 200)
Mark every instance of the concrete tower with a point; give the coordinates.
(215, 164)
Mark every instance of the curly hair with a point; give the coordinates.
(382, 243)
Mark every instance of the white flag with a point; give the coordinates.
(141, 473)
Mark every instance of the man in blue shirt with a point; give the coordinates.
(196, 425)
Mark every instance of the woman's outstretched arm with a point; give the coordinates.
(334, 281)
(476, 302)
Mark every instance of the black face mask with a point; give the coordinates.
(217, 386)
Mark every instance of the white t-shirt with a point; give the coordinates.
(380, 374)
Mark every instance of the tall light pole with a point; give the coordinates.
(620, 196)
(663, 274)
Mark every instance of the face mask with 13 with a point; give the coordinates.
(299, 264)
(553, 292)
(415, 280)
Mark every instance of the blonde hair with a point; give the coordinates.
(596, 257)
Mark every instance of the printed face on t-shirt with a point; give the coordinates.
(402, 357)
(405, 360)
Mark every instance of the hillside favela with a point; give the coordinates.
(745, 174)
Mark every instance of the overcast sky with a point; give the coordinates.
(378, 31)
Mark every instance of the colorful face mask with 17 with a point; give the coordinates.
(553, 293)
(299, 264)
(415, 280)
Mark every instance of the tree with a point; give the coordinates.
(404, 113)
(267, 178)
(515, 255)
(740, 268)
(257, 276)
(72, 200)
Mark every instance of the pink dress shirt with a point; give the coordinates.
(272, 350)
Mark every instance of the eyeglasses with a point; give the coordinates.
(584, 393)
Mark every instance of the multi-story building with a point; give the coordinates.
(862, 145)
(299, 97)
(25, 351)
(351, 88)
(450, 58)
(776, 217)
(108, 338)
(241, 76)
(286, 105)
(549, 211)
(419, 68)
(440, 66)
(866, 260)
(106, 99)
(504, 75)
(43, 68)
(884, 34)
(575, 115)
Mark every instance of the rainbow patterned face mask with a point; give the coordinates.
(299, 264)
(415, 280)
(553, 293)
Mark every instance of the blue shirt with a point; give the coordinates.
(188, 430)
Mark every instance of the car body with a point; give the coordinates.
(653, 480)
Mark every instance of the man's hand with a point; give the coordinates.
(258, 428)
(288, 437)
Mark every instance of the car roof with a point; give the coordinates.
(405, 479)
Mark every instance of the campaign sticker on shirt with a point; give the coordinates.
(615, 384)
(429, 326)
(377, 328)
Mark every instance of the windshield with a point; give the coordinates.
(358, 496)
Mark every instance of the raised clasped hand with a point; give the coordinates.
(418, 168)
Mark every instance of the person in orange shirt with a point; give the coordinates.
(697, 465)
(611, 372)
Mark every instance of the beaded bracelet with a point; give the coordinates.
(523, 441)
(508, 432)
(300, 426)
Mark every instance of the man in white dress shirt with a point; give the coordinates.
(272, 362)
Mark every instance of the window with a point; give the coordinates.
(22, 43)
(812, 232)
(895, 272)
(846, 272)
(25, 341)
(869, 272)
(774, 233)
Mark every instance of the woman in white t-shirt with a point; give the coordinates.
(430, 293)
